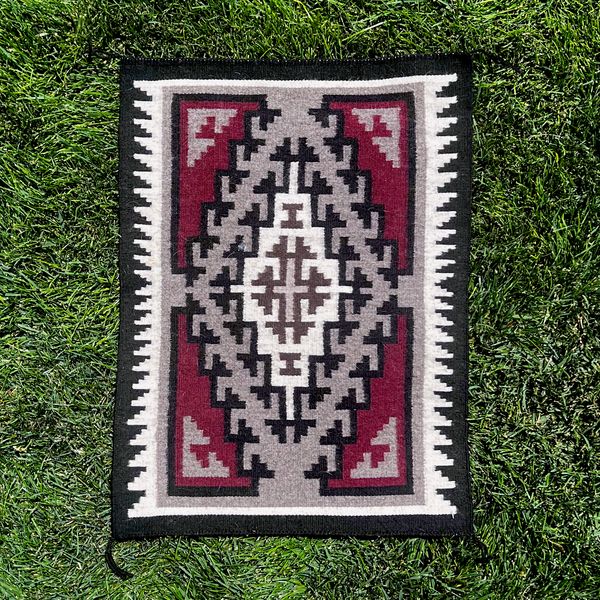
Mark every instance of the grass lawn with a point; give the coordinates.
(534, 409)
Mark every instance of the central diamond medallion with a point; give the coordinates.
(291, 290)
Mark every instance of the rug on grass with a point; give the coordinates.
(293, 267)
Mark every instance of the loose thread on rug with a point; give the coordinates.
(112, 565)
(485, 556)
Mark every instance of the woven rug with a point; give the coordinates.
(293, 268)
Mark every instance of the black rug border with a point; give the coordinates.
(427, 526)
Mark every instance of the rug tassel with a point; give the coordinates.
(485, 555)
(112, 565)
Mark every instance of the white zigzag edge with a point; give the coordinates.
(148, 297)
(437, 299)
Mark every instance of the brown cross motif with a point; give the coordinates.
(290, 289)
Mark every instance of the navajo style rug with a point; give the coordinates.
(293, 263)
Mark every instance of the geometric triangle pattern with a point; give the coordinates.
(384, 126)
(198, 459)
(203, 127)
(381, 460)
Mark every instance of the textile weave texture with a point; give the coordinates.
(293, 268)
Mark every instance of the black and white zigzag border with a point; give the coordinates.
(134, 470)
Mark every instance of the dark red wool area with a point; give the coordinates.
(196, 184)
(388, 398)
(389, 185)
(389, 189)
(193, 399)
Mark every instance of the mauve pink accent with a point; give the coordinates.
(196, 184)
(387, 400)
(389, 188)
(389, 185)
(193, 400)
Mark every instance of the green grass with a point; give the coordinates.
(534, 299)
